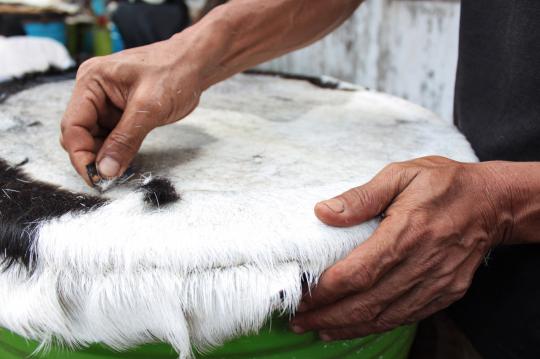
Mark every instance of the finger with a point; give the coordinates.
(402, 285)
(389, 319)
(78, 123)
(362, 307)
(433, 307)
(434, 294)
(423, 300)
(456, 290)
(365, 202)
(342, 314)
(98, 142)
(362, 268)
(125, 140)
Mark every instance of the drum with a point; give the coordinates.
(274, 341)
(213, 232)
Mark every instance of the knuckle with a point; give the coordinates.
(434, 159)
(412, 232)
(422, 220)
(439, 286)
(362, 312)
(149, 104)
(139, 105)
(392, 168)
(416, 224)
(146, 107)
(393, 254)
(454, 172)
(124, 141)
(359, 195)
(460, 286)
(340, 275)
(437, 261)
(361, 278)
(117, 69)
(91, 64)
(447, 266)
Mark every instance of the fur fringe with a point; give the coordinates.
(92, 285)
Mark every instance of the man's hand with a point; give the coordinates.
(441, 218)
(119, 99)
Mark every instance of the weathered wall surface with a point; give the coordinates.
(407, 48)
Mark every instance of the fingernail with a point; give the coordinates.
(335, 205)
(325, 337)
(108, 167)
(297, 329)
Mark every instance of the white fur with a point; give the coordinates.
(249, 164)
(62, 6)
(21, 55)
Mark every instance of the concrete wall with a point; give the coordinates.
(407, 48)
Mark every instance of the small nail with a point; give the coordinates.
(108, 167)
(335, 205)
(325, 337)
(297, 329)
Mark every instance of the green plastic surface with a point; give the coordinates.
(273, 342)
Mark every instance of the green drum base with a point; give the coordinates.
(273, 342)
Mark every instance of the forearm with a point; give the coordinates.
(519, 183)
(244, 33)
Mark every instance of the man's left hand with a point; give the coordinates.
(440, 219)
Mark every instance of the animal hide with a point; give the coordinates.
(216, 244)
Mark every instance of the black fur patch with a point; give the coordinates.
(328, 84)
(101, 184)
(23, 204)
(159, 192)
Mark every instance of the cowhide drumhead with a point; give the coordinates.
(215, 230)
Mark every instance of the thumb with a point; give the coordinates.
(365, 202)
(123, 143)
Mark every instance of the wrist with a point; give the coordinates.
(514, 190)
(203, 47)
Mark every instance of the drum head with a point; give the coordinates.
(232, 248)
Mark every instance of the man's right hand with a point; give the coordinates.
(118, 99)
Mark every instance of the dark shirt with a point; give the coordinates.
(498, 108)
(141, 24)
(497, 102)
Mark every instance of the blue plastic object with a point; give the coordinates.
(52, 30)
(116, 38)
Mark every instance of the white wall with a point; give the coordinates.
(407, 48)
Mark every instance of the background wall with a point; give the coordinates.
(407, 48)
